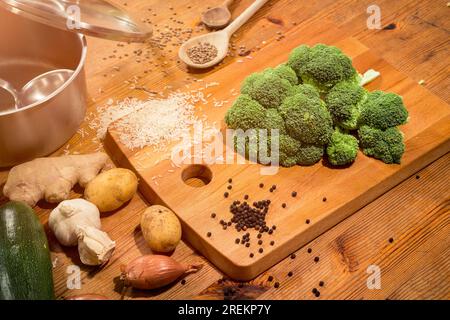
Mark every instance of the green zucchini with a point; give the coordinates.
(25, 264)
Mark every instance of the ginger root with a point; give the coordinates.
(52, 179)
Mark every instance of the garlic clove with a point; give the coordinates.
(94, 246)
(65, 219)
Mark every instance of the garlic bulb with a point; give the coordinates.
(70, 215)
(94, 246)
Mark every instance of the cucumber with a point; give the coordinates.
(25, 265)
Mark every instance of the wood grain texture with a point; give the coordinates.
(418, 46)
(427, 137)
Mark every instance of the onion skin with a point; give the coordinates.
(89, 296)
(154, 271)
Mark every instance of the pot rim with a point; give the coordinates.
(75, 74)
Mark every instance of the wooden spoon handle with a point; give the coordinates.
(243, 18)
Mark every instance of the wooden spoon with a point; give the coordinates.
(219, 39)
(218, 17)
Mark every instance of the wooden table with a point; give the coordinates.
(405, 232)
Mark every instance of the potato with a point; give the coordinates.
(161, 228)
(111, 189)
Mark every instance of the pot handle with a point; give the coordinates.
(10, 89)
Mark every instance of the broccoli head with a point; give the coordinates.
(383, 110)
(288, 151)
(284, 72)
(248, 82)
(309, 155)
(342, 149)
(298, 59)
(306, 89)
(307, 119)
(274, 120)
(245, 114)
(344, 102)
(322, 66)
(266, 88)
(385, 145)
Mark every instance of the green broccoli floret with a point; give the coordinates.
(248, 82)
(274, 120)
(284, 72)
(266, 88)
(288, 151)
(245, 114)
(344, 102)
(307, 119)
(342, 149)
(322, 66)
(306, 89)
(298, 59)
(386, 145)
(383, 110)
(309, 155)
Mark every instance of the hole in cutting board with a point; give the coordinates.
(197, 175)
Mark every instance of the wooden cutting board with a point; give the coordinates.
(427, 137)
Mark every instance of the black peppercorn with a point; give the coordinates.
(321, 283)
(270, 278)
(307, 221)
(251, 255)
(294, 194)
(237, 241)
(229, 187)
(293, 256)
(208, 234)
(260, 242)
(316, 259)
(272, 243)
(246, 197)
(391, 240)
(261, 250)
(230, 180)
(290, 274)
(283, 205)
(309, 250)
(261, 185)
(276, 285)
(226, 194)
(183, 282)
(324, 199)
(213, 215)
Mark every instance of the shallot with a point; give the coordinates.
(154, 271)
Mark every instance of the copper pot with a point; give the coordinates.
(29, 49)
(35, 40)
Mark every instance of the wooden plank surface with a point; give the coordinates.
(416, 42)
(427, 137)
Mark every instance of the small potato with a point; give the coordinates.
(161, 229)
(111, 189)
